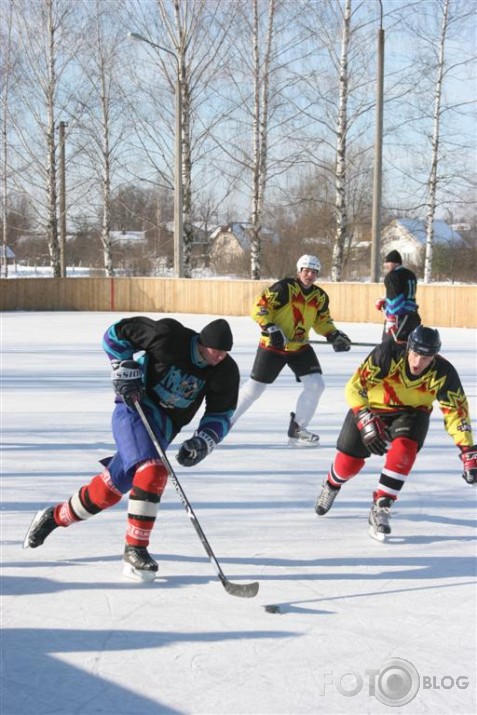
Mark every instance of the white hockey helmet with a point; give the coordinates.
(308, 261)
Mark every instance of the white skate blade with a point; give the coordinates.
(140, 576)
(33, 523)
(377, 535)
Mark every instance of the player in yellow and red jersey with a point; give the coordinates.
(391, 398)
(285, 313)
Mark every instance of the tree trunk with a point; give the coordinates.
(341, 130)
(433, 178)
(52, 220)
(260, 135)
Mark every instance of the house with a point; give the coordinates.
(10, 255)
(233, 240)
(7, 258)
(127, 237)
(408, 236)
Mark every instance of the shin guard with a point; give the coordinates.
(149, 483)
(399, 461)
(344, 467)
(96, 496)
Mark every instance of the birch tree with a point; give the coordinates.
(261, 77)
(42, 28)
(341, 137)
(104, 108)
(255, 142)
(436, 156)
(433, 174)
(336, 103)
(7, 77)
(194, 34)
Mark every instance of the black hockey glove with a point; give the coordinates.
(127, 381)
(195, 449)
(469, 460)
(340, 342)
(277, 337)
(374, 433)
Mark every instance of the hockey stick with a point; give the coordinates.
(325, 342)
(396, 334)
(246, 590)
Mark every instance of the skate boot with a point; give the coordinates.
(299, 436)
(42, 525)
(139, 564)
(326, 498)
(378, 519)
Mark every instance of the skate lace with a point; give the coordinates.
(302, 433)
(327, 496)
(382, 513)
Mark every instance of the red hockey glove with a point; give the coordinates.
(391, 325)
(374, 433)
(380, 303)
(469, 460)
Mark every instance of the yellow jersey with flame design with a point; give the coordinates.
(295, 309)
(384, 384)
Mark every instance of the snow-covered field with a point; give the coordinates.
(363, 627)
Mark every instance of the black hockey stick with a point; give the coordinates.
(246, 590)
(325, 342)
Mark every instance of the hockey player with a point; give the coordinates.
(400, 307)
(178, 370)
(390, 397)
(285, 313)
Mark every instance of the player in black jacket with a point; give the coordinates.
(177, 370)
(400, 307)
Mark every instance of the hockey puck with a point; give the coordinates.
(272, 608)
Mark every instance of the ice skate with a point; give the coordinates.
(43, 523)
(139, 564)
(378, 519)
(299, 436)
(326, 498)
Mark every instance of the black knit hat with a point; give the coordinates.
(393, 257)
(217, 335)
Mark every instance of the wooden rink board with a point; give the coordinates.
(441, 305)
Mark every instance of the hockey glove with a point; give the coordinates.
(380, 303)
(374, 433)
(469, 460)
(391, 325)
(277, 337)
(195, 449)
(340, 342)
(127, 381)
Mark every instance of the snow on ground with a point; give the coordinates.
(363, 627)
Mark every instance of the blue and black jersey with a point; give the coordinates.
(176, 377)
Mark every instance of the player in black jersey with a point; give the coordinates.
(399, 305)
(177, 370)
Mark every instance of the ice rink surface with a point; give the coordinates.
(362, 627)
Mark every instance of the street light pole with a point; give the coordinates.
(178, 184)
